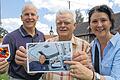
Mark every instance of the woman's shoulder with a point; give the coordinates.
(116, 40)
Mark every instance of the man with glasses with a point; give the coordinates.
(65, 22)
(17, 39)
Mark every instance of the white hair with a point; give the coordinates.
(66, 11)
(28, 4)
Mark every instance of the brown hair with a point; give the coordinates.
(105, 9)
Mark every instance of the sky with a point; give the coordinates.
(11, 11)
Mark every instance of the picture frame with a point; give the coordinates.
(48, 56)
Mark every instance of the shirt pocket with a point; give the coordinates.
(106, 68)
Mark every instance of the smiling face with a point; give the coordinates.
(65, 25)
(29, 16)
(100, 24)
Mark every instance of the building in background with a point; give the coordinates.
(51, 34)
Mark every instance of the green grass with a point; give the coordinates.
(4, 77)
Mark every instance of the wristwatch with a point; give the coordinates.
(97, 76)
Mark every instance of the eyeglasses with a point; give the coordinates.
(66, 22)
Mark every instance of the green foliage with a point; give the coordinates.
(4, 76)
(3, 32)
(79, 16)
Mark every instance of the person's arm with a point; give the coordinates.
(81, 72)
(97, 76)
(3, 65)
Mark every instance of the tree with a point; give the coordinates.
(3, 32)
(79, 17)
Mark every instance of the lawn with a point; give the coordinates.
(4, 77)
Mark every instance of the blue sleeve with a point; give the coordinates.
(115, 72)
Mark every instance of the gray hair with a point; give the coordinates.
(66, 11)
(28, 4)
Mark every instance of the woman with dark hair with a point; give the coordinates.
(105, 48)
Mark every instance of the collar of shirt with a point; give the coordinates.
(73, 40)
(112, 42)
(114, 39)
(24, 33)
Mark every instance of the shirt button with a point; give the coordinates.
(106, 65)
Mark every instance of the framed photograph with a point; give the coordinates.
(48, 56)
(4, 51)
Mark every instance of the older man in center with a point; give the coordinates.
(66, 24)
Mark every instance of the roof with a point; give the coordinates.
(117, 22)
(81, 29)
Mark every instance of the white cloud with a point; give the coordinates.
(51, 5)
(11, 24)
(54, 5)
(43, 28)
(50, 17)
(117, 2)
(27, 0)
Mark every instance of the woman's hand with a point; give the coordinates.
(79, 71)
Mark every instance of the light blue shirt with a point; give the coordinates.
(110, 63)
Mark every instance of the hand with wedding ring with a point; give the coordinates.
(79, 71)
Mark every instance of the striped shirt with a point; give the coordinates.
(78, 45)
